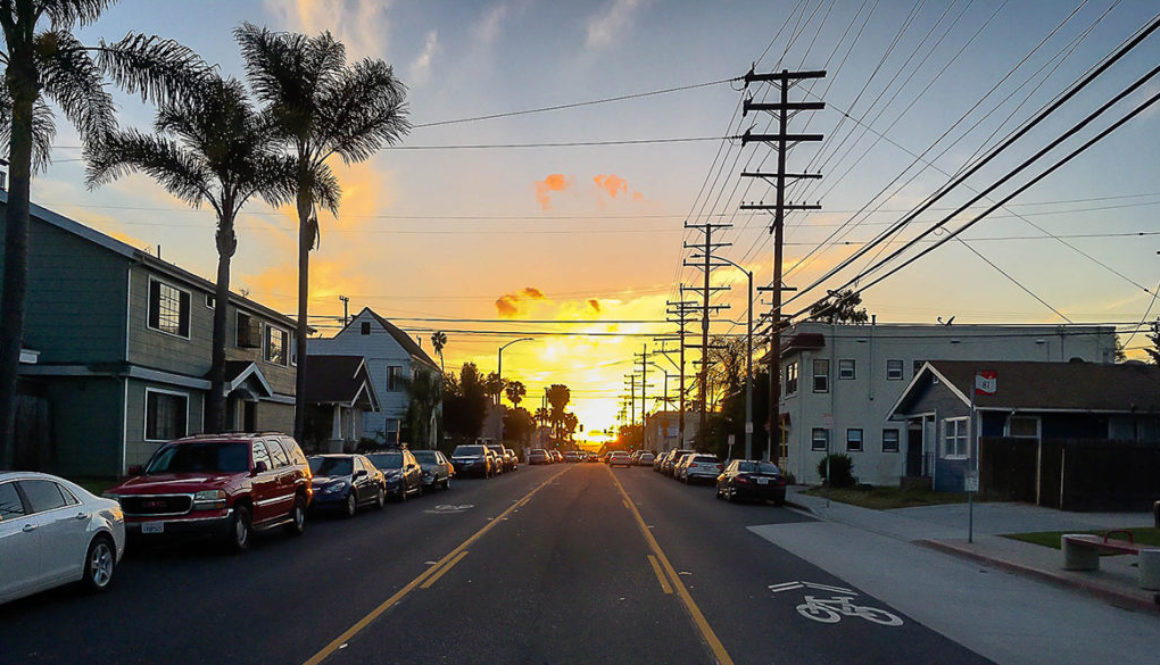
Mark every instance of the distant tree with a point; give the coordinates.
(840, 307)
(464, 403)
(424, 391)
(1121, 354)
(493, 386)
(518, 425)
(628, 437)
(1154, 337)
(438, 341)
(515, 392)
(558, 397)
(569, 425)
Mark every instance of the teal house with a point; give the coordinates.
(117, 353)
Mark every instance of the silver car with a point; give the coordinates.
(54, 532)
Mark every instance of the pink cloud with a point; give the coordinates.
(555, 182)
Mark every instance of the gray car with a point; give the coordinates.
(699, 467)
(436, 469)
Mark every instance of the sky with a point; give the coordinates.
(518, 239)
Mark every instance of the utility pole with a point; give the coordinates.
(345, 310)
(782, 141)
(678, 312)
(706, 265)
(632, 399)
(643, 355)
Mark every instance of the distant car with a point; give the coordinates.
(700, 468)
(572, 456)
(54, 532)
(670, 462)
(619, 458)
(592, 458)
(539, 456)
(437, 471)
(660, 459)
(346, 482)
(557, 455)
(402, 474)
(678, 466)
(752, 479)
(472, 460)
(495, 460)
(511, 455)
(501, 458)
(645, 459)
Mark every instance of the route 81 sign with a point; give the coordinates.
(831, 610)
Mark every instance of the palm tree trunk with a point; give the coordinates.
(305, 243)
(227, 244)
(15, 285)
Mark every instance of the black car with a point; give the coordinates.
(751, 479)
(473, 460)
(402, 472)
(437, 471)
(345, 482)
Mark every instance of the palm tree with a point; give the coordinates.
(43, 61)
(210, 148)
(438, 341)
(515, 392)
(558, 396)
(321, 107)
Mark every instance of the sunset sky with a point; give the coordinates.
(530, 235)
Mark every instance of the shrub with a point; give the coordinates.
(841, 468)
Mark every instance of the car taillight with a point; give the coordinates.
(720, 467)
(781, 481)
(742, 479)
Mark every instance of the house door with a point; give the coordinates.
(249, 416)
(914, 449)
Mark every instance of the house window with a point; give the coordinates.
(893, 370)
(365, 328)
(1023, 427)
(791, 376)
(210, 300)
(821, 376)
(393, 378)
(854, 440)
(166, 415)
(955, 438)
(820, 439)
(846, 369)
(276, 345)
(294, 350)
(168, 309)
(248, 333)
(889, 440)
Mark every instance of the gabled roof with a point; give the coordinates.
(133, 254)
(339, 380)
(239, 371)
(1041, 386)
(406, 341)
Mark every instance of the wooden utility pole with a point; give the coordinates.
(705, 262)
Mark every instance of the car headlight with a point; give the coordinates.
(209, 500)
(335, 488)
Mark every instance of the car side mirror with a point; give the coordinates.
(260, 467)
(136, 470)
(361, 473)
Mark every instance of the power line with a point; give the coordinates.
(558, 144)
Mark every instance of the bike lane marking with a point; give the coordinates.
(831, 610)
(444, 564)
(702, 624)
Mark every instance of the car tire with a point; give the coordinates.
(240, 532)
(351, 506)
(402, 490)
(380, 498)
(446, 484)
(297, 523)
(100, 563)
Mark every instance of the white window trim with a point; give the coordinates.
(815, 375)
(853, 369)
(897, 441)
(966, 433)
(901, 369)
(821, 429)
(208, 298)
(266, 328)
(1038, 427)
(861, 440)
(238, 327)
(148, 305)
(145, 413)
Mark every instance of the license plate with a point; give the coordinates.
(763, 481)
(153, 527)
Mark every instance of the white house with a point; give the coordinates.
(839, 383)
(393, 360)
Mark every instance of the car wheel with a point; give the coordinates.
(351, 506)
(380, 498)
(239, 536)
(297, 523)
(446, 484)
(402, 490)
(100, 561)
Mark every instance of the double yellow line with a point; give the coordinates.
(660, 563)
(425, 579)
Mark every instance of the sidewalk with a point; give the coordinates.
(944, 528)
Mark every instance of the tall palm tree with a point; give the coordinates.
(558, 396)
(210, 148)
(322, 107)
(438, 341)
(515, 392)
(42, 62)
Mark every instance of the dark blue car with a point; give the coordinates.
(345, 482)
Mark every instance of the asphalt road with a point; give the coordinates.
(552, 564)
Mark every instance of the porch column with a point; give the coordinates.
(336, 424)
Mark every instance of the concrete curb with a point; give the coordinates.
(1134, 601)
(800, 506)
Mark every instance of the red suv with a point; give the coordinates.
(228, 485)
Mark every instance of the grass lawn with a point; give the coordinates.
(1143, 535)
(884, 498)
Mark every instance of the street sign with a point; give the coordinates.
(827, 421)
(971, 481)
(749, 428)
(731, 439)
(986, 382)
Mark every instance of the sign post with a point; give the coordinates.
(986, 383)
(729, 456)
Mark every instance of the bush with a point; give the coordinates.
(842, 468)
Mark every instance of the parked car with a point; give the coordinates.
(403, 475)
(511, 455)
(557, 456)
(495, 461)
(501, 457)
(437, 471)
(619, 458)
(55, 532)
(345, 482)
(682, 460)
(660, 459)
(539, 456)
(751, 479)
(572, 456)
(645, 459)
(472, 460)
(671, 461)
(701, 468)
(226, 485)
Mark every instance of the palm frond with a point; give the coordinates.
(364, 112)
(70, 78)
(179, 171)
(159, 69)
(64, 14)
(43, 130)
(325, 188)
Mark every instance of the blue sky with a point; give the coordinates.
(617, 240)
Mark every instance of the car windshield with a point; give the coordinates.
(468, 451)
(387, 460)
(331, 466)
(202, 458)
(705, 458)
(767, 467)
(423, 456)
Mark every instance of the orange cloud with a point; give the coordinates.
(532, 293)
(594, 304)
(611, 183)
(508, 305)
(555, 182)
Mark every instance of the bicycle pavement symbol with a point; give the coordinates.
(831, 610)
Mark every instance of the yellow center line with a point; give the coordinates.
(695, 613)
(387, 604)
(665, 586)
(443, 571)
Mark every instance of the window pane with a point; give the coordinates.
(260, 454)
(821, 376)
(166, 309)
(165, 416)
(10, 504)
(277, 456)
(846, 369)
(819, 439)
(42, 494)
(889, 440)
(275, 345)
(894, 370)
(1024, 427)
(853, 439)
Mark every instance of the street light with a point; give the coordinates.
(748, 360)
(499, 373)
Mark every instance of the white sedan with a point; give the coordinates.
(54, 532)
